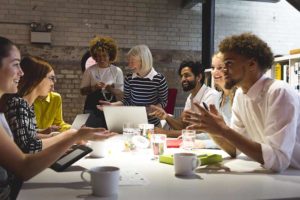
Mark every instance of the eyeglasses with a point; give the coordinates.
(52, 78)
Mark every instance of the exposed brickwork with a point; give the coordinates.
(66, 61)
(172, 33)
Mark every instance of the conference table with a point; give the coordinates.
(232, 179)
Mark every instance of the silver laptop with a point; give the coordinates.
(116, 116)
(80, 120)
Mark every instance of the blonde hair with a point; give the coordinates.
(101, 43)
(219, 55)
(144, 54)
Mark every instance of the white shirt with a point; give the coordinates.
(4, 124)
(150, 75)
(269, 114)
(205, 94)
(108, 75)
(209, 96)
(225, 109)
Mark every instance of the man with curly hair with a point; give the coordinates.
(265, 122)
(103, 80)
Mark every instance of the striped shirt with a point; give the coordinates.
(145, 91)
(21, 119)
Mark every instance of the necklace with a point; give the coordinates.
(100, 76)
(105, 97)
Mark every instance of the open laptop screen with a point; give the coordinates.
(116, 116)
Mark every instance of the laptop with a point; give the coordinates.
(116, 116)
(80, 120)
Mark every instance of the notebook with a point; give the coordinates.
(80, 120)
(205, 159)
(116, 116)
(173, 142)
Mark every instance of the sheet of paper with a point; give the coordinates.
(128, 177)
(240, 165)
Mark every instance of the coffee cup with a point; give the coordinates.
(185, 163)
(100, 149)
(104, 180)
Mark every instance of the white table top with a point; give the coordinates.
(245, 180)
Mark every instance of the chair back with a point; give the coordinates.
(172, 93)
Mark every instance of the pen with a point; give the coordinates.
(205, 106)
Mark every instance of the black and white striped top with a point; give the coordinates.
(146, 91)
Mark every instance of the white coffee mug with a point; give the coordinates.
(104, 180)
(185, 163)
(100, 149)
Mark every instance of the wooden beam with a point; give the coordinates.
(188, 4)
(208, 32)
(295, 3)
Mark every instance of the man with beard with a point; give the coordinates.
(265, 122)
(192, 80)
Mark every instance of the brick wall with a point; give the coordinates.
(172, 33)
(66, 62)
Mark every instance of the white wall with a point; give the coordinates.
(277, 23)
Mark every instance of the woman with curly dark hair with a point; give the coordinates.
(103, 80)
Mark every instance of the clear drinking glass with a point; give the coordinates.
(159, 144)
(188, 139)
(129, 130)
(147, 130)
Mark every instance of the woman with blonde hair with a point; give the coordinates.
(226, 95)
(13, 162)
(143, 86)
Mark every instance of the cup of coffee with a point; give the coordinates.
(100, 149)
(185, 163)
(104, 180)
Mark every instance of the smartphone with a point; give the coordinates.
(205, 106)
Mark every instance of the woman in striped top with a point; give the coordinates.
(143, 86)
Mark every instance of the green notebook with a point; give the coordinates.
(205, 159)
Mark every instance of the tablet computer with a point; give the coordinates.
(75, 153)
